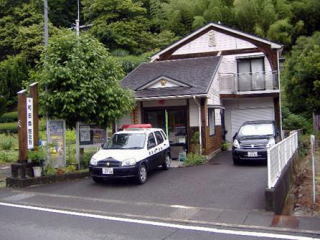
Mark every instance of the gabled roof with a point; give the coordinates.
(217, 27)
(194, 74)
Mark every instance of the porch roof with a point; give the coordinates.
(196, 73)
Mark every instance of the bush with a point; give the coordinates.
(8, 142)
(71, 136)
(194, 159)
(37, 157)
(85, 160)
(293, 121)
(6, 145)
(225, 146)
(8, 157)
(10, 127)
(304, 145)
(49, 170)
(9, 117)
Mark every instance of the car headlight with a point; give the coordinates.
(236, 144)
(271, 142)
(129, 162)
(94, 161)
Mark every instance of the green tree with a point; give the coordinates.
(14, 71)
(82, 81)
(119, 24)
(302, 76)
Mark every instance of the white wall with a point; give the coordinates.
(205, 43)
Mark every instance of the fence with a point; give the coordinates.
(279, 155)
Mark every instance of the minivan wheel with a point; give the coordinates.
(142, 174)
(167, 162)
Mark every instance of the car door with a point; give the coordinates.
(151, 147)
(160, 148)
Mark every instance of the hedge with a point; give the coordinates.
(9, 117)
(8, 127)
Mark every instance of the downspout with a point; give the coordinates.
(199, 119)
(279, 85)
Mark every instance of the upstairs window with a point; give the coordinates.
(251, 75)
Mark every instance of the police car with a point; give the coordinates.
(132, 152)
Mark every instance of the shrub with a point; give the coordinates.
(194, 159)
(70, 136)
(304, 145)
(84, 162)
(9, 117)
(6, 144)
(70, 168)
(8, 127)
(225, 146)
(8, 157)
(37, 157)
(49, 170)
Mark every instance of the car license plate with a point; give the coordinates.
(107, 171)
(252, 154)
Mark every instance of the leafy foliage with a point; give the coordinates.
(302, 76)
(194, 159)
(82, 81)
(13, 71)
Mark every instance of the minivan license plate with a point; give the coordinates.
(252, 154)
(107, 170)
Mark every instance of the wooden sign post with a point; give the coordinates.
(22, 126)
(28, 130)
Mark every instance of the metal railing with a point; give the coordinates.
(246, 82)
(279, 155)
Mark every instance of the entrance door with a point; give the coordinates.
(173, 121)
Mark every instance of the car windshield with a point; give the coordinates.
(256, 130)
(126, 141)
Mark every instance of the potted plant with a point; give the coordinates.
(37, 157)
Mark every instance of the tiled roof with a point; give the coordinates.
(198, 73)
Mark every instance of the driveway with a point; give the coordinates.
(218, 184)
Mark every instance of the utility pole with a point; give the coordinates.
(78, 20)
(46, 32)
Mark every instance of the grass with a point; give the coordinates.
(8, 148)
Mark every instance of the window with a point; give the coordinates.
(211, 121)
(159, 137)
(126, 141)
(251, 74)
(151, 141)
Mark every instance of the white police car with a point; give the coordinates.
(132, 152)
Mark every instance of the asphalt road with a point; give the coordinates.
(218, 184)
(38, 224)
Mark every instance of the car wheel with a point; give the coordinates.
(142, 174)
(167, 162)
(97, 180)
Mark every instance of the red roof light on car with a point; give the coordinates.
(143, 125)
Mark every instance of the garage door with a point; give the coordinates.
(238, 117)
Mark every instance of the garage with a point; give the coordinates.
(240, 110)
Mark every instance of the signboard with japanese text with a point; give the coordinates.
(56, 142)
(91, 135)
(88, 136)
(30, 139)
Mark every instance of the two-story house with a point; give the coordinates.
(209, 82)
